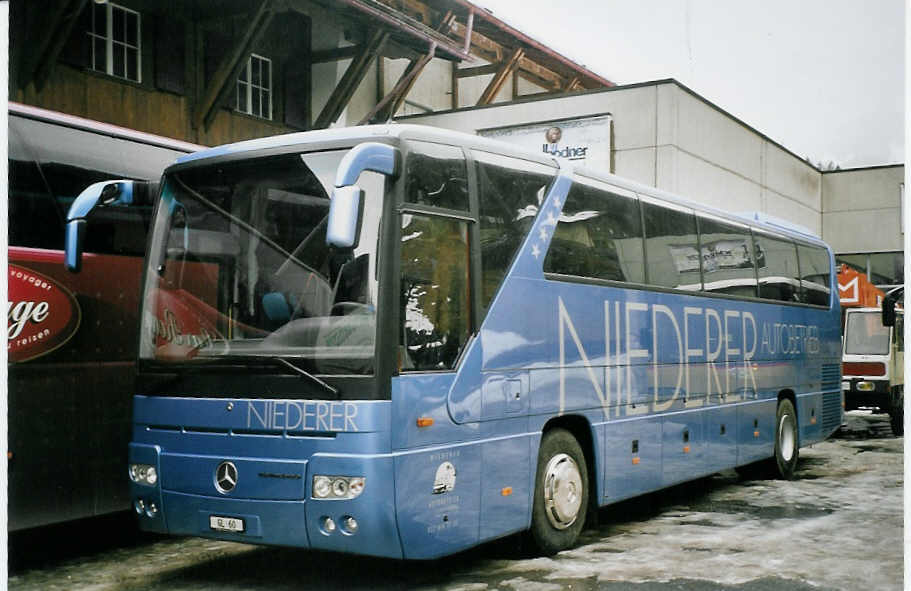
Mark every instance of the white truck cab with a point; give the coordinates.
(872, 363)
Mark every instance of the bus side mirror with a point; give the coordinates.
(103, 194)
(343, 227)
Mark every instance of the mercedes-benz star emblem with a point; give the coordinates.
(225, 477)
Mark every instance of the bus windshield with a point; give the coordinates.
(238, 267)
(865, 334)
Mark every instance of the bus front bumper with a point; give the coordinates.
(362, 525)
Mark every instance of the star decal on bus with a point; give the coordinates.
(535, 251)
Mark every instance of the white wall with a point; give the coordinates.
(862, 210)
(667, 137)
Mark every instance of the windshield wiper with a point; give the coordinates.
(303, 372)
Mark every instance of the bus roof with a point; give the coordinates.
(393, 132)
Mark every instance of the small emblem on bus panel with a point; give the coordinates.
(444, 481)
(225, 477)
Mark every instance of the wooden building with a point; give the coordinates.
(211, 72)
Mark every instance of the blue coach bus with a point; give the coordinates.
(402, 342)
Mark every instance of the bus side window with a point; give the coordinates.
(35, 218)
(511, 192)
(671, 247)
(778, 276)
(436, 175)
(814, 274)
(727, 258)
(599, 235)
(435, 309)
(899, 329)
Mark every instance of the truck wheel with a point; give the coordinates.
(786, 447)
(897, 412)
(561, 493)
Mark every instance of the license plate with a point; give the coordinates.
(230, 524)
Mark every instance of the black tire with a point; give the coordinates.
(897, 412)
(786, 440)
(561, 493)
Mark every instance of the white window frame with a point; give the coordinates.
(247, 87)
(111, 44)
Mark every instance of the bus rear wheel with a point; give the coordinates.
(561, 493)
(786, 446)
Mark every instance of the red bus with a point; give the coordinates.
(71, 337)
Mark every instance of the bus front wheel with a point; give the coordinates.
(561, 493)
(786, 446)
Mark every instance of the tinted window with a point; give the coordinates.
(436, 175)
(511, 192)
(727, 258)
(887, 268)
(777, 262)
(434, 291)
(599, 235)
(671, 247)
(814, 274)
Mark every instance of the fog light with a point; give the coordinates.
(151, 509)
(328, 526)
(349, 524)
(322, 486)
(866, 386)
(140, 506)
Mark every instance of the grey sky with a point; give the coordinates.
(825, 78)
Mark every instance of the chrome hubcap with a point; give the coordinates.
(786, 438)
(562, 491)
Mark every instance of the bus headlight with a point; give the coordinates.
(143, 474)
(337, 487)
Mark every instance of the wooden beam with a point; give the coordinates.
(469, 27)
(477, 71)
(573, 82)
(454, 80)
(550, 85)
(506, 69)
(37, 68)
(334, 55)
(351, 79)
(446, 23)
(492, 51)
(386, 108)
(230, 65)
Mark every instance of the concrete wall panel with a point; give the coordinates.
(863, 231)
(637, 165)
(711, 134)
(666, 169)
(851, 190)
(791, 176)
(712, 185)
(783, 207)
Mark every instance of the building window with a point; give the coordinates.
(883, 269)
(115, 40)
(254, 87)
